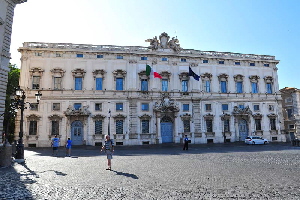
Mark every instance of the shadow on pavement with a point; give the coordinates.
(126, 174)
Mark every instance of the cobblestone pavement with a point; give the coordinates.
(216, 171)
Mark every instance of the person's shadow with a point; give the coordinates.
(126, 174)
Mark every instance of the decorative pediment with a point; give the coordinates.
(57, 72)
(184, 76)
(119, 116)
(119, 73)
(208, 116)
(272, 115)
(164, 42)
(225, 116)
(100, 72)
(166, 74)
(145, 116)
(80, 112)
(268, 79)
(241, 111)
(223, 77)
(36, 70)
(166, 104)
(78, 72)
(186, 116)
(257, 116)
(206, 76)
(55, 117)
(33, 117)
(254, 78)
(238, 77)
(143, 75)
(98, 117)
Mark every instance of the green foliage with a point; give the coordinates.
(9, 114)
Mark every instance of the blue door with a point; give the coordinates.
(77, 133)
(243, 129)
(166, 130)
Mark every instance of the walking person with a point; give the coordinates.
(186, 143)
(108, 147)
(68, 147)
(55, 145)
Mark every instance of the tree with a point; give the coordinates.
(9, 113)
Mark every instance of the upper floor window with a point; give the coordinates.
(289, 112)
(119, 57)
(36, 82)
(119, 83)
(183, 60)
(252, 64)
(164, 59)
(164, 85)
(266, 65)
(237, 63)
(207, 107)
(57, 83)
(144, 85)
(271, 107)
(224, 107)
(291, 126)
(56, 106)
(186, 107)
(79, 55)
(77, 106)
(99, 56)
(99, 83)
(239, 87)
(38, 54)
(145, 107)
(207, 85)
(221, 62)
(241, 106)
(34, 106)
(223, 86)
(184, 85)
(98, 106)
(144, 58)
(269, 88)
(58, 55)
(119, 106)
(254, 87)
(204, 61)
(256, 107)
(78, 83)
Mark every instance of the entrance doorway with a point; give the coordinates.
(166, 130)
(77, 133)
(243, 129)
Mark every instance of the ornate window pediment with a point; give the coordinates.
(81, 112)
(98, 117)
(78, 72)
(184, 76)
(99, 72)
(257, 116)
(272, 115)
(145, 117)
(55, 117)
(36, 71)
(166, 75)
(225, 116)
(186, 116)
(206, 76)
(208, 116)
(119, 73)
(57, 72)
(238, 77)
(268, 79)
(142, 75)
(33, 117)
(223, 77)
(119, 117)
(241, 111)
(254, 78)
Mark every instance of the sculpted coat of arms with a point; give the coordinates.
(164, 42)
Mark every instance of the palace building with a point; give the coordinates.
(147, 95)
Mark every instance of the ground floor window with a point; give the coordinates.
(55, 128)
(209, 127)
(226, 125)
(273, 124)
(258, 124)
(119, 126)
(32, 127)
(98, 127)
(145, 126)
(186, 126)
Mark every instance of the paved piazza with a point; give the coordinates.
(216, 171)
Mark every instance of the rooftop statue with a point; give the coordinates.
(164, 43)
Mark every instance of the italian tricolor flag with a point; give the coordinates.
(152, 71)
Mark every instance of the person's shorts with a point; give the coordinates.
(108, 154)
(68, 147)
(55, 148)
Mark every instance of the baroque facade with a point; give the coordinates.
(93, 90)
(6, 19)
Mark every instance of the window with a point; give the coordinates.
(273, 123)
(98, 106)
(164, 59)
(288, 100)
(289, 112)
(266, 65)
(269, 88)
(291, 126)
(207, 86)
(271, 108)
(99, 82)
(98, 127)
(79, 55)
(239, 87)
(56, 106)
(226, 125)
(254, 87)
(256, 107)
(144, 85)
(145, 126)
(119, 126)
(119, 83)
(145, 107)
(186, 107)
(38, 54)
(32, 127)
(78, 83)
(184, 85)
(207, 107)
(204, 61)
(119, 57)
(58, 55)
(119, 106)
(237, 63)
(34, 106)
(186, 126)
(223, 86)
(99, 56)
(57, 83)
(183, 59)
(144, 58)
(209, 127)
(221, 62)
(252, 64)
(77, 106)
(164, 85)
(258, 124)
(36, 82)
(224, 107)
(55, 128)
(241, 106)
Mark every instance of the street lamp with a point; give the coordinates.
(19, 103)
(109, 113)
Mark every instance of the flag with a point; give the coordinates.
(193, 74)
(152, 71)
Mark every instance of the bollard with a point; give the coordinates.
(5, 155)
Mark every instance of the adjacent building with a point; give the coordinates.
(92, 90)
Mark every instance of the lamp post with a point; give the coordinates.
(19, 103)
(109, 113)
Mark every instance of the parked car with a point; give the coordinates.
(256, 140)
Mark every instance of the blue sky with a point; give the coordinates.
(266, 27)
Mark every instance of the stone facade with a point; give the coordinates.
(92, 90)
(6, 19)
